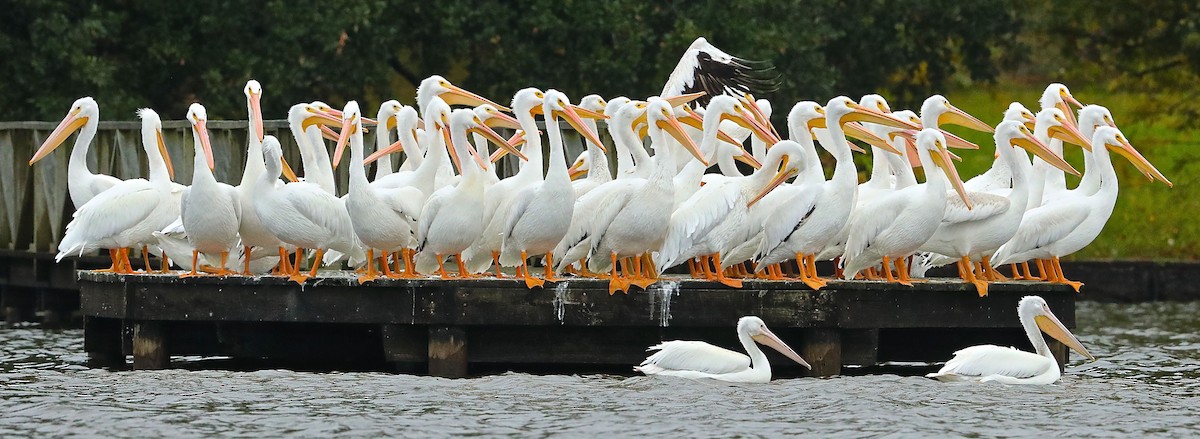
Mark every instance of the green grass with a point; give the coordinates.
(1150, 221)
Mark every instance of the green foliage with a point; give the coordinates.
(165, 54)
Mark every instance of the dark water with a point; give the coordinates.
(1146, 383)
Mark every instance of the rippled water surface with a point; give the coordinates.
(1145, 383)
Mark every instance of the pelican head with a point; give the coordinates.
(1059, 127)
(594, 103)
(528, 101)
(466, 120)
(437, 86)
(405, 119)
(581, 165)
(756, 329)
(1093, 116)
(784, 155)
(722, 108)
(937, 110)
(1111, 138)
(197, 116)
(495, 118)
(1017, 111)
(659, 115)
(388, 111)
(1058, 96)
(805, 115)
(614, 104)
(152, 125)
(932, 140)
(351, 126)
(555, 105)
(1033, 309)
(83, 111)
(844, 110)
(1014, 133)
(253, 93)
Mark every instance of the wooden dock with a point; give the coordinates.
(461, 327)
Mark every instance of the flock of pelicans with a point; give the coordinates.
(654, 212)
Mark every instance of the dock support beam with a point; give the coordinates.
(1061, 353)
(150, 346)
(102, 339)
(447, 351)
(822, 349)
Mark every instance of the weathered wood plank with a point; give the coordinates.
(448, 351)
(150, 346)
(822, 348)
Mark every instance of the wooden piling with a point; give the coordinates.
(1061, 353)
(447, 351)
(822, 348)
(102, 340)
(150, 346)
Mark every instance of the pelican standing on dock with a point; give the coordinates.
(209, 209)
(991, 363)
(129, 213)
(697, 359)
(250, 228)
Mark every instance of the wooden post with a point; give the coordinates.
(822, 349)
(404, 349)
(150, 346)
(447, 351)
(1061, 353)
(102, 339)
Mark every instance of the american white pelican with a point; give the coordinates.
(128, 213)
(387, 117)
(383, 219)
(450, 94)
(697, 359)
(972, 235)
(425, 176)
(82, 184)
(450, 219)
(593, 160)
(828, 222)
(174, 243)
(494, 209)
(318, 170)
(209, 209)
(1050, 180)
(991, 363)
(250, 229)
(302, 214)
(406, 133)
(496, 119)
(705, 68)
(633, 221)
(1072, 222)
(894, 227)
(538, 216)
(999, 176)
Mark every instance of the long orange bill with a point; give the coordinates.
(957, 116)
(68, 126)
(162, 149)
(682, 99)
(201, 129)
(573, 118)
(695, 120)
(941, 158)
(761, 116)
(857, 131)
(501, 120)
(492, 136)
(458, 96)
(1040, 149)
(767, 338)
(287, 170)
(256, 111)
(672, 126)
(1127, 150)
(348, 128)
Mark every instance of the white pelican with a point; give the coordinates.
(973, 234)
(318, 170)
(82, 184)
(406, 133)
(174, 243)
(302, 214)
(250, 228)
(593, 160)
(496, 119)
(1050, 180)
(895, 226)
(494, 209)
(830, 215)
(697, 359)
(991, 363)
(450, 219)
(128, 213)
(705, 68)
(538, 216)
(425, 176)
(383, 219)
(387, 118)
(999, 176)
(633, 221)
(1073, 222)
(209, 209)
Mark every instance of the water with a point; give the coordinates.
(1145, 384)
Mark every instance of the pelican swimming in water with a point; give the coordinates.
(697, 359)
(991, 363)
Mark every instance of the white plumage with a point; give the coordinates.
(697, 359)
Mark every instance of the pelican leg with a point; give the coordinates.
(282, 267)
(246, 260)
(1044, 274)
(548, 269)
(397, 260)
(1062, 277)
(692, 270)
(531, 281)
(166, 264)
(838, 271)
(496, 263)
(980, 285)
(887, 270)
(195, 265)
(811, 262)
(146, 258)
(616, 282)
(386, 265)
(369, 275)
(463, 272)
(112, 256)
(648, 274)
(410, 262)
(995, 274)
(804, 266)
(1028, 271)
(732, 283)
(224, 270)
(902, 265)
(296, 265)
(441, 271)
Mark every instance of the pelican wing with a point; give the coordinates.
(430, 211)
(119, 208)
(704, 67)
(405, 201)
(990, 360)
(519, 204)
(696, 217)
(696, 356)
(984, 205)
(866, 224)
(1043, 226)
(779, 226)
(316, 205)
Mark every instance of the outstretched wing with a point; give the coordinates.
(706, 68)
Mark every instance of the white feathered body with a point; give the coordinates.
(126, 215)
(697, 359)
(991, 363)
